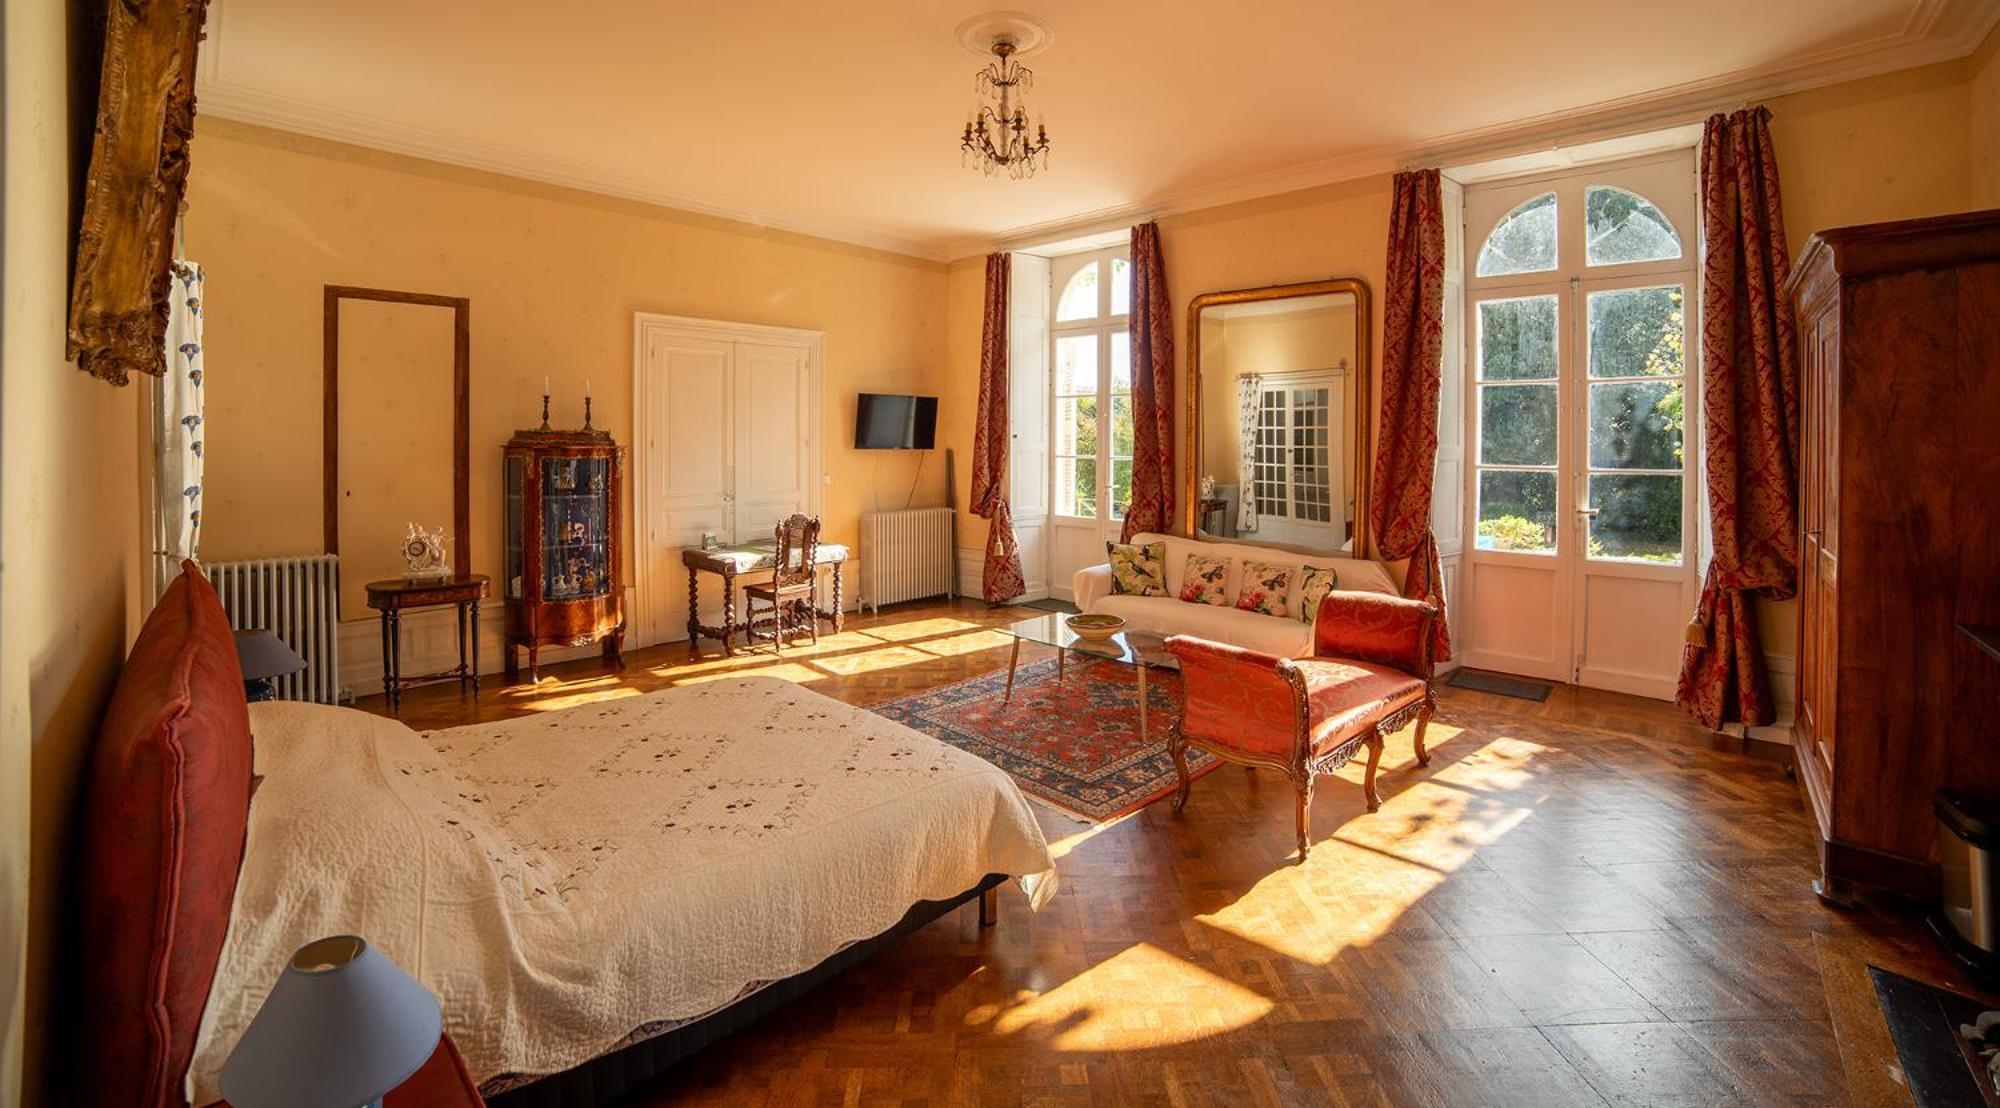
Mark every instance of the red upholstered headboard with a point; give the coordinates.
(165, 806)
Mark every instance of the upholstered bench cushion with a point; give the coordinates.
(1348, 697)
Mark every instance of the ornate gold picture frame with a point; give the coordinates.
(138, 172)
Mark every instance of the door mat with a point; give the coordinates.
(1520, 688)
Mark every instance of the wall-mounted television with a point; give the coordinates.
(883, 422)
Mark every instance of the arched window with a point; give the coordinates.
(1524, 242)
(1092, 394)
(1621, 227)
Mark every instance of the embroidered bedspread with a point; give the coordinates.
(561, 880)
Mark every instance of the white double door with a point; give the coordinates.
(1581, 414)
(726, 442)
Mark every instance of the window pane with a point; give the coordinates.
(1638, 517)
(1121, 361)
(1121, 426)
(1621, 227)
(1121, 486)
(1637, 333)
(1524, 242)
(1079, 297)
(1517, 511)
(1076, 425)
(1636, 425)
(1517, 339)
(1076, 365)
(1121, 286)
(1079, 479)
(1517, 425)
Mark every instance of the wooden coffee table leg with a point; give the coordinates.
(1061, 655)
(1013, 659)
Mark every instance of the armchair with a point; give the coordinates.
(1371, 667)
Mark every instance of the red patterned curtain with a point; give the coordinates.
(1750, 411)
(1152, 329)
(1412, 362)
(1001, 579)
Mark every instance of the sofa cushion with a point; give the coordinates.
(1137, 568)
(165, 806)
(1164, 615)
(1266, 588)
(1314, 583)
(1205, 579)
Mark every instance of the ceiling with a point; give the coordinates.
(841, 120)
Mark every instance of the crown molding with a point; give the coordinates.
(224, 100)
(1934, 31)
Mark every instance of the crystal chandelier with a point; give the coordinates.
(996, 135)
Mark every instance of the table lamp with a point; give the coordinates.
(342, 1027)
(263, 656)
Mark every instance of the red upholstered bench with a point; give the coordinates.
(1371, 667)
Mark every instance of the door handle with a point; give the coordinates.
(1587, 512)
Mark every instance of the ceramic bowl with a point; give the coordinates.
(1095, 628)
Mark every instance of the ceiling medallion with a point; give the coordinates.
(996, 136)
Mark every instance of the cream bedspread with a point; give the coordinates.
(560, 880)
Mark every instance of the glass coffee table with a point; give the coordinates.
(1139, 649)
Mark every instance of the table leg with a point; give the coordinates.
(694, 613)
(388, 675)
(1062, 656)
(728, 614)
(1013, 659)
(839, 610)
(395, 662)
(1141, 667)
(459, 611)
(475, 649)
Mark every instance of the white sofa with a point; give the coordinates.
(1286, 636)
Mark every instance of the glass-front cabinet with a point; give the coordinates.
(564, 562)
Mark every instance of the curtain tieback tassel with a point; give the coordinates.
(1697, 633)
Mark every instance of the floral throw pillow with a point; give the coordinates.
(1138, 570)
(1266, 588)
(1313, 587)
(1204, 581)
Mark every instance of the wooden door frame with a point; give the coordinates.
(461, 412)
(644, 627)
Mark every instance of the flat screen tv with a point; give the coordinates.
(895, 422)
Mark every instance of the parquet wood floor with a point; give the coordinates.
(1584, 901)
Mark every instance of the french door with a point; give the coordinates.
(1581, 498)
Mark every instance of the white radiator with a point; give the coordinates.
(298, 599)
(905, 555)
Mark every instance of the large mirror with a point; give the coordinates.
(1278, 416)
(397, 374)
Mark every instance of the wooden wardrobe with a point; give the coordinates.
(1899, 460)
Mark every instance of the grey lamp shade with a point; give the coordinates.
(342, 1026)
(263, 655)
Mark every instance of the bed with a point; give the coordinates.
(593, 893)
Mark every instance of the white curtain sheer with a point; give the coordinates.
(178, 430)
(1249, 402)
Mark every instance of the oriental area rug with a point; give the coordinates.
(1072, 745)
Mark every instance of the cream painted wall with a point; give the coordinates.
(554, 277)
(69, 548)
(1983, 122)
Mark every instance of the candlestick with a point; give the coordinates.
(545, 408)
(586, 410)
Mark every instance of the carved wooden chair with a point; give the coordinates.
(792, 594)
(1371, 668)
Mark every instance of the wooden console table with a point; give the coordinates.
(397, 595)
(728, 562)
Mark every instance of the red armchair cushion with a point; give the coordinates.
(1347, 698)
(166, 802)
(1370, 627)
(1236, 698)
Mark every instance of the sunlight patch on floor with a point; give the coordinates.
(1140, 998)
(971, 642)
(920, 628)
(794, 672)
(574, 699)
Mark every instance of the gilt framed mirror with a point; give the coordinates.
(1279, 405)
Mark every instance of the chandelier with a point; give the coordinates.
(996, 135)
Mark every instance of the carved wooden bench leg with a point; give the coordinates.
(1304, 802)
(1374, 742)
(1177, 746)
(989, 907)
(1423, 721)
